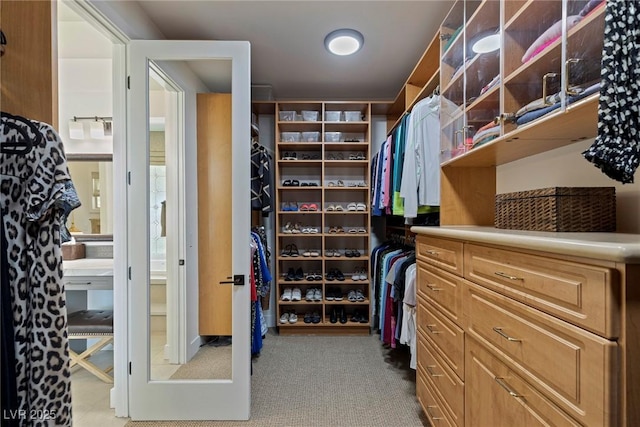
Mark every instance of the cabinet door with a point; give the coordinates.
(469, 76)
(496, 397)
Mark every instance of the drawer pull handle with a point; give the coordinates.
(502, 334)
(430, 415)
(432, 252)
(433, 331)
(430, 369)
(433, 288)
(502, 384)
(507, 276)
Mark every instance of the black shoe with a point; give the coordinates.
(331, 275)
(307, 318)
(291, 275)
(338, 274)
(355, 317)
(364, 319)
(333, 317)
(299, 275)
(315, 317)
(343, 316)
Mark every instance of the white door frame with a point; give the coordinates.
(189, 399)
(120, 392)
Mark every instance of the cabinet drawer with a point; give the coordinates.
(87, 283)
(432, 408)
(446, 336)
(442, 379)
(442, 289)
(574, 368)
(582, 294)
(500, 398)
(446, 254)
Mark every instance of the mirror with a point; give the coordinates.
(92, 175)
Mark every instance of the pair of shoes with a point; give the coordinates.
(291, 183)
(309, 184)
(289, 207)
(311, 157)
(358, 317)
(314, 294)
(332, 253)
(357, 156)
(333, 294)
(292, 228)
(290, 155)
(313, 317)
(336, 229)
(288, 318)
(310, 253)
(308, 207)
(336, 156)
(291, 294)
(310, 230)
(360, 274)
(357, 230)
(290, 251)
(334, 274)
(293, 275)
(352, 253)
(313, 276)
(337, 208)
(340, 183)
(356, 295)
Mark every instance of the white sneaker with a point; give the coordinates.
(296, 294)
(286, 295)
(285, 318)
(293, 318)
(317, 295)
(310, 294)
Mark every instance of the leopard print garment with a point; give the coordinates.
(30, 184)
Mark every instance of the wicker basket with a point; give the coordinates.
(558, 209)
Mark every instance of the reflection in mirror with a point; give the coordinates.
(213, 359)
(92, 177)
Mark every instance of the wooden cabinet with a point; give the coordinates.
(536, 60)
(323, 213)
(533, 336)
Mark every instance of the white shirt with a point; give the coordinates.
(421, 168)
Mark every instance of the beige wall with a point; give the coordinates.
(565, 167)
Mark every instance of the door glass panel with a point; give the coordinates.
(190, 322)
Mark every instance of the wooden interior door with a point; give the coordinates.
(29, 66)
(214, 213)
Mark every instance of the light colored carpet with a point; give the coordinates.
(208, 363)
(314, 381)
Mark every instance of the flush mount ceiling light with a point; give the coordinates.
(344, 42)
(486, 43)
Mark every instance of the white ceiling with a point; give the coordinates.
(287, 41)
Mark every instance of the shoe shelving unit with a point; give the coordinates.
(323, 154)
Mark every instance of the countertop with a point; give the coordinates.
(88, 267)
(618, 247)
(101, 267)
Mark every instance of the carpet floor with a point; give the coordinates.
(309, 381)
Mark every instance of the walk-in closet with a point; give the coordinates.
(320, 213)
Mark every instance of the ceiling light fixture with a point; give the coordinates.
(486, 43)
(344, 42)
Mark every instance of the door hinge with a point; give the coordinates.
(180, 262)
(128, 82)
(129, 273)
(129, 177)
(129, 368)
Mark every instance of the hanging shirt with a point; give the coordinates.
(261, 180)
(421, 168)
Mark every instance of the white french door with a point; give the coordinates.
(152, 394)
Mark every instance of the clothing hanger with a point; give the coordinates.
(23, 143)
